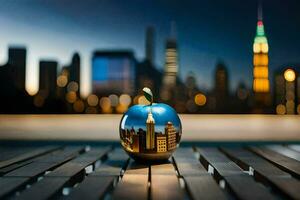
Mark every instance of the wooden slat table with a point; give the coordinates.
(106, 172)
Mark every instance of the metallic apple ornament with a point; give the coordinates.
(150, 132)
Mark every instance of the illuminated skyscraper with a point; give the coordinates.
(261, 84)
(171, 66)
(150, 134)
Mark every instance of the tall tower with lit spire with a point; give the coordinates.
(150, 134)
(261, 84)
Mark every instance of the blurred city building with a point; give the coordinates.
(221, 90)
(14, 98)
(113, 72)
(171, 67)
(147, 75)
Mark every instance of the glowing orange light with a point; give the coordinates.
(92, 100)
(62, 81)
(289, 75)
(280, 109)
(78, 106)
(105, 105)
(125, 99)
(200, 99)
(71, 97)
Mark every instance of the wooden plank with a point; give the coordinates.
(32, 170)
(187, 164)
(266, 172)
(77, 166)
(92, 188)
(295, 147)
(238, 182)
(246, 159)
(285, 151)
(8, 152)
(287, 164)
(65, 175)
(114, 165)
(10, 185)
(165, 187)
(203, 187)
(200, 184)
(134, 184)
(163, 169)
(164, 182)
(14, 166)
(97, 183)
(222, 165)
(28, 155)
(45, 163)
(47, 188)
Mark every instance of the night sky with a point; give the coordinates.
(207, 31)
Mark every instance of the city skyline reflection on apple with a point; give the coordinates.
(150, 132)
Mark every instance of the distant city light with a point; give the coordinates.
(125, 99)
(105, 105)
(78, 106)
(71, 97)
(289, 75)
(121, 108)
(114, 99)
(73, 86)
(92, 100)
(280, 109)
(62, 81)
(200, 99)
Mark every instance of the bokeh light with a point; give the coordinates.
(114, 99)
(125, 100)
(92, 100)
(78, 106)
(289, 75)
(105, 105)
(121, 108)
(62, 81)
(71, 97)
(200, 99)
(280, 109)
(72, 86)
